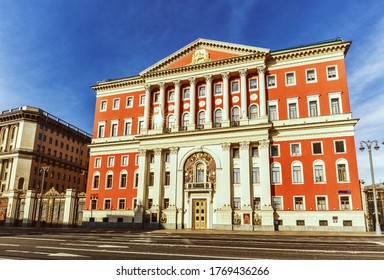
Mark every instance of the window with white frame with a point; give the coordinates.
(235, 86)
(167, 178)
(124, 161)
(156, 97)
(116, 104)
(127, 127)
(109, 180)
(107, 204)
(136, 179)
(97, 162)
(321, 203)
(299, 203)
(317, 148)
(170, 121)
(121, 204)
(101, 130)
(335, 103)
(114, 128)
(142, 100)
(293, 107)
(236, 203)
(171, 95)
(218, 89)
(310, 75)
(253, 112)
(235, 114)
(201, 119)
(271, 81)
(255, 179)
(96, 180)
(186, 119)
(253, 84)
(278, 202)
(313, 105)
(201, 91)
(140, 125)
(186, 93)
(111, 161)
(297, 172)
(123, 179)
(332, 73)
(345, 202)
(103, 105)
(276, 173)
(275, 150)
(290, 79)
(272, 112)
(339, 146)
(342, 170)
(295, 149)
(319, 171)
(200, 172)
(129, 103)
(93, 204)
(218, 117)
(236, 175)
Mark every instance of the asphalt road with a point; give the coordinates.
(97, 244)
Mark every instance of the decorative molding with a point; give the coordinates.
(226, 146)
(261, 70)
(143, 152)
(177, 83)
(192, 81)
(243, 72)
(225, 75)
(244, 145)
(158, 151)
(208, 78)
(264, 143)
(174, 150)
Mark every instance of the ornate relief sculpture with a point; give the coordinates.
(200, 56)
(209, 163)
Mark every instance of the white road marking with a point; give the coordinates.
(47, 254)
(10, 245)
(33, 238)
(112, 246)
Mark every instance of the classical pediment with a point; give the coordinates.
(204, 51)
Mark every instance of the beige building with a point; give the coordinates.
(32, 140)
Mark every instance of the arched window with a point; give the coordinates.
(253, 112)
(185, 119)
(297, 172)
(319, 171)
(276, 173)
(235, 117)
(200, 172)
(96, 180)
(342, 170)
(218, 117)
(123, 179)
(201, 119)
(109, 180)
(170, 121)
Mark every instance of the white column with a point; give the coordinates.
(69, 207)
(173, 174)
(177, 105)
(245, 176)
(28, 208)
(226, 121)
(192, 104)
(162, 104)
(243, 92)
(142, 184)
(158, 176)
(226, 173)
(208, 92)
(263, 102)
(265, 174)
(147, 108)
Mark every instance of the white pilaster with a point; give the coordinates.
(243, 92)
(245, 176)
(142, 185)
(28, 208)
(147, 109)
(226, 173)
(162, 104)
(173, 174)
(192, 104)
(69, 207)
(158, 174)
(208, 92)
(177, 105)
(265, 177)
(226, 121)
(263, 102)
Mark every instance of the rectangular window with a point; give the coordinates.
(171, 95)
(123, 180)
(292, 107)
(275, 150)
(276, 175)
(151, 180)
(255, 175)
(237, 203)
(97, 162)
(218, 89)
(253, 84)
(347, 223)
(156, 97)
(271, 81)
(235, 86)
(127, 127)
(311, 75)
(107, 204)
(93, 204)
(129, 102)
(272, 112)
(100, 131)
(109, 181)
(140, 126)
(167, 157)
(202, 91)
(114, 129)
(295, 149)
(297, 174)
(256, 203)
(167, 178)
(335, 106)
(165, 203)
(313, 112)
(121, 203)
(235, 153)
(278, 203)
(236, 175)
(344, 203)
(340, 146)
(124, 160)
(317, 148)
(300, 222)
(186, 93)
(290, 79)
(142, 100)
(332, 73)
(151, 158)
(103, 105)
(255, 151)
(116, 104)
(323, 223)
(321, 203)
(136, 181)
(299, 203)
(111, 161)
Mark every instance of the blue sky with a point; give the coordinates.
(51, 52)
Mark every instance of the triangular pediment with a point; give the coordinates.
(204, 51)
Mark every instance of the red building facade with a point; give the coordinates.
(227, 136)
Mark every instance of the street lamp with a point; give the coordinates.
(376, 147)
(44, 169)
